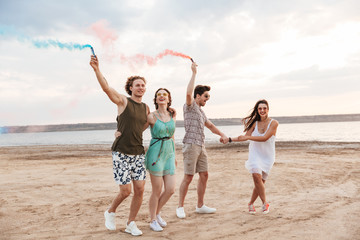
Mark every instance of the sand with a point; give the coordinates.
(61, 192)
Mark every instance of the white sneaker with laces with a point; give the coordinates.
(155, 226)
(110, 220)
(161, 221)
(180, 212)
(133, 229)
(205, 209)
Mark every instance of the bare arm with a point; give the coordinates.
(113, 95)
(271, 132)
(146, 125)
(191, 85)
(215, 130)
(244, 137)
(173, 137)
(173, 112)
(151, 119)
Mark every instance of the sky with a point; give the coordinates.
(303, 56)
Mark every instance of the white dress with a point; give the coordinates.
(261, 154)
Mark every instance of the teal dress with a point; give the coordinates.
(160, 157)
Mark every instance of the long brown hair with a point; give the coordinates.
(254, 115)
(169, 97)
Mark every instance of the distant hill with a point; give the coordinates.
(216, 121)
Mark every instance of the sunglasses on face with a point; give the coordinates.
(162, 94)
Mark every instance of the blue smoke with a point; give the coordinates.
(56, 43)
(9, 31)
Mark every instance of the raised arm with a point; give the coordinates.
(114, 96)
(191, 85)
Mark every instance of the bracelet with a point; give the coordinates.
(230, 140)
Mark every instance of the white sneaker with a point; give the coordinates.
(251, 209)
(180, 213)
(155, 226)
(205, 209)
(161, 221)
(133, 229)
(110, 220)
(266, 208)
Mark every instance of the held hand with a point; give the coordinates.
(193, 67)
(224, 139)
(94, 63)
(117, 134)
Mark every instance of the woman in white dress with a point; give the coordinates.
(260, 130)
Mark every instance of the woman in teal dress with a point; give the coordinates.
(160, 157)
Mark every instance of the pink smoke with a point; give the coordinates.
(105, 34)
(108, 36)
(141, 58)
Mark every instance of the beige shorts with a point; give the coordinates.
(195, 159)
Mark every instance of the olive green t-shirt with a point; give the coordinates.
(131, 123)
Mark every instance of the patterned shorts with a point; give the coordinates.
(128, 167)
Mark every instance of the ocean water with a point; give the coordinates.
(328, 132)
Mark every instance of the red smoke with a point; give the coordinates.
(105, 34)
(140, 58)
(108, 36)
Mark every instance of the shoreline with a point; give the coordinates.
(279, 144)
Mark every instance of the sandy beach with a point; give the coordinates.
(61, 192)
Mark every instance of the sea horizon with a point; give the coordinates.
(179, 123)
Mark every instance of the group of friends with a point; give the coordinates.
(130, 162)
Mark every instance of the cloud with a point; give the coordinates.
(280, 50)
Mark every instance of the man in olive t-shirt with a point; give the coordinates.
(128, 151)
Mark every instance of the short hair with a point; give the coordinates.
(200, 89)
(130, 82)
